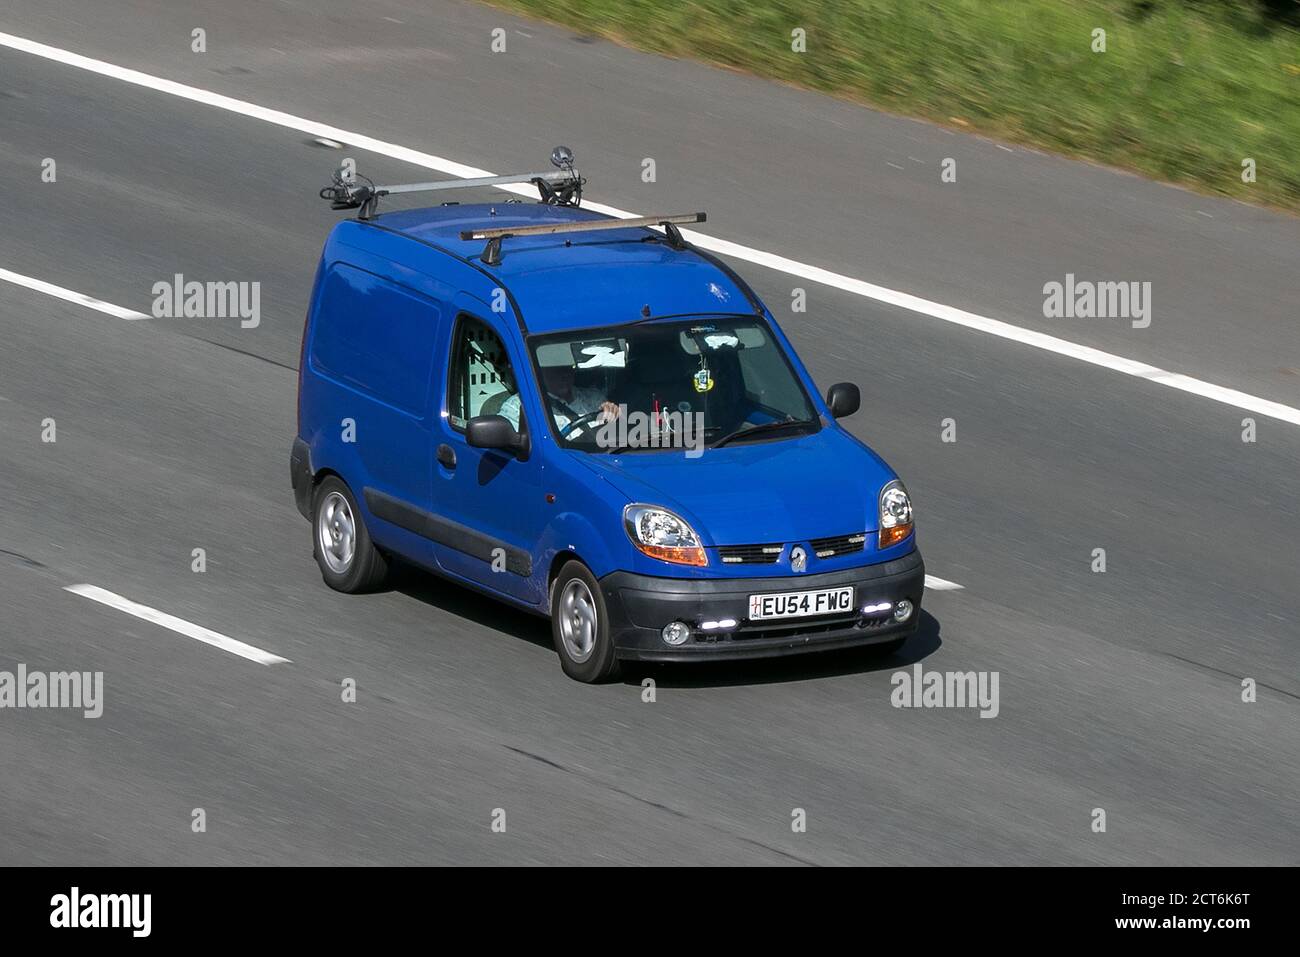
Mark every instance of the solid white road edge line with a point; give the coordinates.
(960, 317)
(79, 298)
(178, 625)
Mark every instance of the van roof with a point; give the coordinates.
(578, 280)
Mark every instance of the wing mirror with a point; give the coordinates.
(495, 432)
(843, 398)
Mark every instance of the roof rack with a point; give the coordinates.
(562, 187)
(492, 251)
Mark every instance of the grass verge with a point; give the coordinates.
(1185, 91)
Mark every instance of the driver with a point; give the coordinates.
(568, 402)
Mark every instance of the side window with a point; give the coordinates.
(481, 380)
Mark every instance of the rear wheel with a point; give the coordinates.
(341, 545)
(580, 626)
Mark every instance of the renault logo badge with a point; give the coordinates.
(798, 558)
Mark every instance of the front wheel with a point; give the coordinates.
(580, 626)
(348, 559)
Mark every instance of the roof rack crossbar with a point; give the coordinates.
(552, 176)
(557, 187)
(492, 251)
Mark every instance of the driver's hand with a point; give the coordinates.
(608, 411)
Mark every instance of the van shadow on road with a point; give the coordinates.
(472, 606)
(464, 602)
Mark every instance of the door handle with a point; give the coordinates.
(447, 456)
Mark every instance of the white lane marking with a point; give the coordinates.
(179, 625)
(960, 317)
(1003, 330)
(941, 584)
(67, 294)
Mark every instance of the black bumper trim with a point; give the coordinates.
(300, 476)
(640, 605)
(446, 532)
(755, 648)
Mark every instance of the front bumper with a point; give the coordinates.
(640, 605)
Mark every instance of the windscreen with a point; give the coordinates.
(661, 384)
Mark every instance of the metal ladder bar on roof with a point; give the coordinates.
(495, 234)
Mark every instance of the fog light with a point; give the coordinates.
(676, 632)
(903, 610)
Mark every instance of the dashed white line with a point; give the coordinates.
(178, 625)
(69, 295)
(902, 300)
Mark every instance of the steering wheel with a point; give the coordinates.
(582, 420)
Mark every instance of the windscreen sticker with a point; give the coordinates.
(599, 355)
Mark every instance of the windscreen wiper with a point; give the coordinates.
(765, 427)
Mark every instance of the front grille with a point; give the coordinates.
(769, 553)
(838, 545)
(750, 554)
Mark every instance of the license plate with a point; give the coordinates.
(801, 604)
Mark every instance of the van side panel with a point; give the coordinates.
(367, 376)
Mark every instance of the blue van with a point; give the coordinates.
(592, 420)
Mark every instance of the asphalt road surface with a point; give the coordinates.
(1119, 690)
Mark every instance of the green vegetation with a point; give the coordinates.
(1185, 90)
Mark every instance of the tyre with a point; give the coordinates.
(341, 545)
(580, 626)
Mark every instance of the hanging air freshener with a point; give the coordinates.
(703, 380)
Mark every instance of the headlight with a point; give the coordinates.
(661, 534)
(895, 514)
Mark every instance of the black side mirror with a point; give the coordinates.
(843, 398)
(494, 432)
